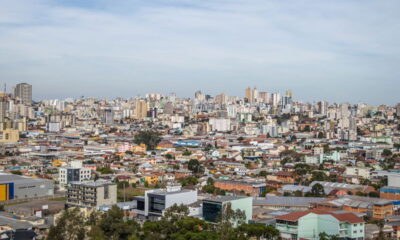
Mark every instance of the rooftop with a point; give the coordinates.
(222, 199)
(343, 217)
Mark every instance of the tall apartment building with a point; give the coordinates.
(3, 109)
(141, 109)
(251, 95)
(73, 173)
(91, 194)
(23, 91)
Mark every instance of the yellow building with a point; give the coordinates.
(10, 135)
(139, 148)
(150, 179)
(141, 109)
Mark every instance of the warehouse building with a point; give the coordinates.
(21, 187)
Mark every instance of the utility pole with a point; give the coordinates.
(124, 191)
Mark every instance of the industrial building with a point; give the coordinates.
(21, 187)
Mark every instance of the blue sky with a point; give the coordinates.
(339, 50)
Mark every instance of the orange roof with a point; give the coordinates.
(343, 217)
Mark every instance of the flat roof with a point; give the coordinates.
(222, 199)
(6, 178)
(165, 192)
(93, 184)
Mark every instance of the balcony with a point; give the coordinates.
(287, 228)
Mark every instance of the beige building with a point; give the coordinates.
(91, 194)
(10, 135)
(141, 109)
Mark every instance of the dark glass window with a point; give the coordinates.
(140, 205)
(156, 203)
(106, 192)
(211, 211)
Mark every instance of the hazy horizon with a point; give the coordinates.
(338, 51)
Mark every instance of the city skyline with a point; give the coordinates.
(340, 52)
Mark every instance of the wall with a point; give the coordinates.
(185, 198)
(311, 225)
(245, 204)
(31, 189)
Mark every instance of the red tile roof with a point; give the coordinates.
(343, 217)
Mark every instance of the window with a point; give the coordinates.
(211, 211)
(106, 192)
(156, 203)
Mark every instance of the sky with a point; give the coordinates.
(337, 50)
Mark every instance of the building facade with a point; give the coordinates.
(19, 187)
(212, 207)
(23, 91)
(309, 224)
(91, 194)
(73, 173)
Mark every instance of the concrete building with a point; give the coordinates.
(375, 208)
(19, 187)
(309, 224)
(23, 92)
(220, 124)
(286, 203)
(253, 188)
(91, 194)
(155, 202)
(358, 171)
(73, 173)
(10, 135)
(212, 207)
(141, 109)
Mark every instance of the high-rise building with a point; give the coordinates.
(108, 116)
(3, 108)
(23, 92)
(141, 109)
(265, 97)
(251, 95)
(199, 96)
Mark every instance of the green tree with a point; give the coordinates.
(397, 146)
(386, 153)
(148, 137)
(227, 220)
(190, 180)
(104, 170)
(373, 194)
(317, 190)
(16, 172)
(70, 225)
(186, 153)
(195, 166)
(319, 176)
(114, 226)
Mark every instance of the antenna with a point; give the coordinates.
(5, 87)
